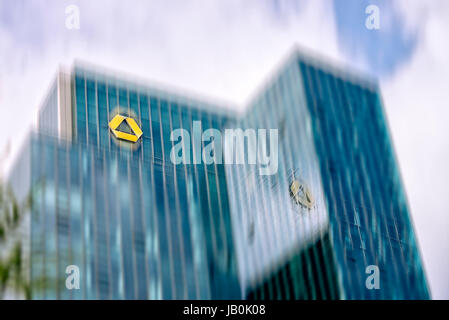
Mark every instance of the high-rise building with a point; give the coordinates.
(136, 225)
(108, 199)
(335, 213)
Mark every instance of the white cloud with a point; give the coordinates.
(416, 100)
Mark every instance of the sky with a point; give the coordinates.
(225, 49)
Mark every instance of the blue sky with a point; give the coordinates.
(381, 51)
(225, 49)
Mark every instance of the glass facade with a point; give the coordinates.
(136, 225)
(367, 207)
(139, 226)
(271, 229)
(334, 141)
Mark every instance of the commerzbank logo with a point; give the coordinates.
(120, 123)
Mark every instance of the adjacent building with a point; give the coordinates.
(336, 209)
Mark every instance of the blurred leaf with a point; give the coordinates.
(16, 258)
(27, 291)
(4, 274)
(7, 216)
(15, 213)
(2, 232)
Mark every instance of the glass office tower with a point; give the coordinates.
(139, 226)
(336, 205)
(367, 206)
(280, 222)
(136, 225)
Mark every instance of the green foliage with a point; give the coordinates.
(15, 213)
(27, 291)
(16, 258)
(12, 267)
(2, 232)
(4, 274)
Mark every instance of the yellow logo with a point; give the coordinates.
(117, 120)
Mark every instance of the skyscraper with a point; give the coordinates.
(139, 226)
(136, 225)
(336, 209)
